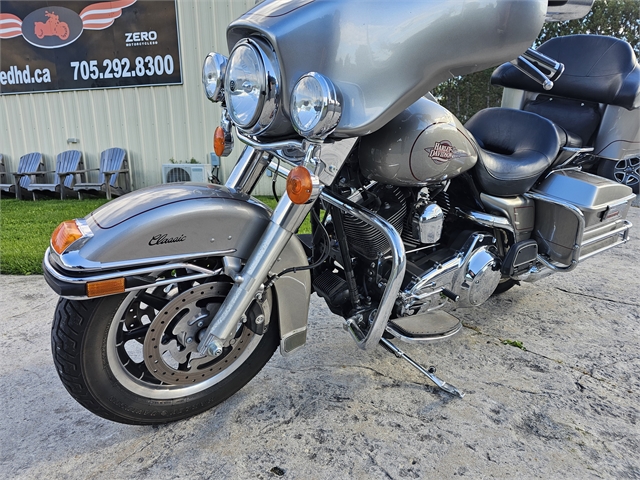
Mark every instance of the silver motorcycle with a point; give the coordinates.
(175, 296)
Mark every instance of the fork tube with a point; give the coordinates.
(250, 167)
(285, 220)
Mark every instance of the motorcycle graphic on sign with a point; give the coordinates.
(52, 27)
(97, 16)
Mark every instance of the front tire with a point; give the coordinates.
(99, 348)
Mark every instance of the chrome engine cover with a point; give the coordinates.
(472, 273)
(480, 279)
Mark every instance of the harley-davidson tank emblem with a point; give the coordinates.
(443, 151)
(163, 238)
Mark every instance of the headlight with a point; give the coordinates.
(213, 71)
(315, 106)
(251, 86)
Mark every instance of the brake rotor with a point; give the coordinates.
(171, 343)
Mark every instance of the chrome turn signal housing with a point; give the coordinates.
(68, 233)
(213, 70)
(316, 106)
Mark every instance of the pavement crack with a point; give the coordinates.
(560, 362)
(373, 460)
(331, 367)
(528, 392)
(32, 308)
(631, 304)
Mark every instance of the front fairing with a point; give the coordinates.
(384, 55)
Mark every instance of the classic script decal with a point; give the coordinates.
(163, 238)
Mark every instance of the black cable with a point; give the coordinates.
(273, 182)
(323, 257)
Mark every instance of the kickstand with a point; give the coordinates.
(429, 373)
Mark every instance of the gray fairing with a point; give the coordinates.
(384, 55)
(200, 218)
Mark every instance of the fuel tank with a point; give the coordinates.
(424, 144)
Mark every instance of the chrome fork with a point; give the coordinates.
(285, 220)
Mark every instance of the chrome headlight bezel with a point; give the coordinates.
(269, 93)
(328, 105)
(213, 71)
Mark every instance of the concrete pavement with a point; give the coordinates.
(566, 407)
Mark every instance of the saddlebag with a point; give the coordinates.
(579, 215)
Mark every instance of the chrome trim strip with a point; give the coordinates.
(399, 264)
(487, 220)
(271, 147)
(576, 151)
(406, 339)
(81, 264)
(201, 273)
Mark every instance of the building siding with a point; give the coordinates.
(153, 124)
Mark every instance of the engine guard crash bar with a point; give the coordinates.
(399, 264)
(397, 256)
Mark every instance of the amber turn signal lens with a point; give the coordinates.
(105, 287)
(299, 185)
(218, 141)
(64, 235)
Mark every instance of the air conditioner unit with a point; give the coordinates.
(183, 172)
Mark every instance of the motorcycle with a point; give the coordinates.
(52, 27)
(175, 296)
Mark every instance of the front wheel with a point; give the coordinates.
(133, 358)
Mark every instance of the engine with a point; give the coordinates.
(465, 268)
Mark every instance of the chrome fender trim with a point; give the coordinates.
(209, 216)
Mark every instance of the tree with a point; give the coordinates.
(464, 96)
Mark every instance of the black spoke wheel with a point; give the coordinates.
(133, 358)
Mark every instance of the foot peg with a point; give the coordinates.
(429, 373)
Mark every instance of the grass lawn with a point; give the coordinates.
(26, 227)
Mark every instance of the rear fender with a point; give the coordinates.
(165, 225)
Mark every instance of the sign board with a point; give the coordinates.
(77, 45)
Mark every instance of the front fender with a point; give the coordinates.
(178, 222)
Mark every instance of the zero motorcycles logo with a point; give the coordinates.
(55, 27)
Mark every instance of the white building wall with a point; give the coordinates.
(153, 124)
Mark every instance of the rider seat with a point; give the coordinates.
(516, 148)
